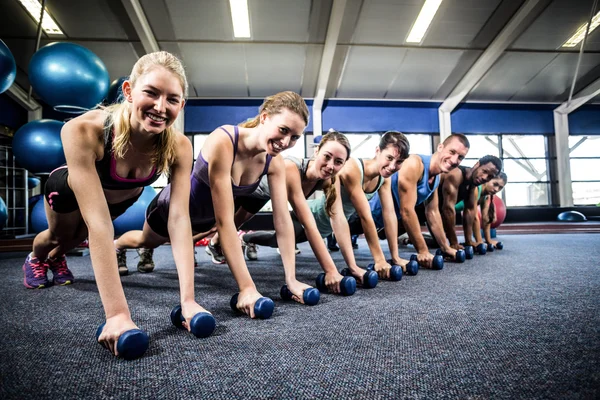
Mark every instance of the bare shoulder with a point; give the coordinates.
(412, 167)
(89, 126)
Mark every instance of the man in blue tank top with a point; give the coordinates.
(460, 185)
(416, 183)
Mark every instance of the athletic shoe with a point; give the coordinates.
(195, 260)
(146, 264)
(216, 253)
(296, 250)
(251, 251)
(61, 273)
(35, 273)
(122, 262)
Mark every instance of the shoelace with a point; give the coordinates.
(61, 269)
(37, 268)
(146, 257)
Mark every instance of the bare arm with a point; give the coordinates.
(469, 215)
(408, 178)
(449, 187)
(390, 220)
(339, 223)
(485, 220)
(434, 219)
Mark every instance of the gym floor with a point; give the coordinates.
(523, 322)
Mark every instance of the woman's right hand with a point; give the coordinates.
(246, 300)
(425, 259)
(332, 281)
(113, 329)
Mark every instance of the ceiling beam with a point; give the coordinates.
(582, 97)
(22, 98)
(513, 29)
(142, 26)
(331, 40)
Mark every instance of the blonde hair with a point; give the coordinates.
(164, 149)
(330, 192)
(275, 104)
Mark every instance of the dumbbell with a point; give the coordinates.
(469, 252)
(460, 255)
(132, 344)
(490, 248)
(347, 284)
(395, 272)
(263, 308)
(202, 324)
(437, 263)
(481, 249)
(499, 246)
(310, 296)
(369, 280)
(412, 267)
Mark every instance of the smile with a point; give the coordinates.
(156, 118)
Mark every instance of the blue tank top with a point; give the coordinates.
(424, 191)
(201, 205)
(107, 167)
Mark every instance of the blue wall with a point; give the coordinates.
(11, 113)
(585, 121)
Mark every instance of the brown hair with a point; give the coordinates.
(274, 104)
(164, 150)
(458, 136)
(395, 138)
(330, 192)
(492, 208)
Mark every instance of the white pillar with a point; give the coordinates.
(445, 124)
(179, 123)
(563, 166)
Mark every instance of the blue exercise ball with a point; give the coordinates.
(37, 146)
(115, 91)
(8, 68)
(317, 139)
(3, 213)
(68, 76)
(133, 219)
(571, 216)
(32, 182)
(37, 217)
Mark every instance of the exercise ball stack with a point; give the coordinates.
(133, 219)
(8, 68)
(68, 77)
(37, 146)
(115, 91)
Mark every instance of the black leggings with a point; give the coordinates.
(269, 238)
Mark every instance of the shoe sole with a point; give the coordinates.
(212, 258)
(64, 283)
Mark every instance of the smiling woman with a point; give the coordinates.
(112, 154)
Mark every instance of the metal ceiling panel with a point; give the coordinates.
(216, 69)
(279, 20)
(314, 53)
(559, 21)
(159, 17)
(93, 19)
(554, 81)
(15, 21)
(199, 20)
(458, 22)
(369, 71)
(510, 74)
(422, 73)
(273, 68)
(385, 21)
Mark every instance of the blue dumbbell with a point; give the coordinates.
(481, 249)
(469, 252)
(370, 278)
(395, 272)
(263, 308)
(347, 284)
(412, 267)
(202, 325)
(132, 344)
(490, 248)
(310, 296)
(437, 263)
(460, 255)
(499, 246)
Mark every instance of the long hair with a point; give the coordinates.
(395, 138)
(164, 149)
(492, 208)
(330, 192)
(275, 104)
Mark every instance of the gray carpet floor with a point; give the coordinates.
(521, 323)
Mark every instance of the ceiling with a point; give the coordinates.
(366, 58)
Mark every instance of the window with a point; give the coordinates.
(585, 165)
(419, 144)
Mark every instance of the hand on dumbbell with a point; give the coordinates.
(498, 245)
(428, 260)
(394, 274)
(193, 318)
(251, 303)
(383, 269)
(457, 246)
(367, 278)
(490, 248)
(345, 286)
(122, 337)
(300, 292)
(481, 248)
(451, 254)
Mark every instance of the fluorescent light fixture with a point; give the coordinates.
(34, 8)
(423, 21)
(578, 36)
(240, 18)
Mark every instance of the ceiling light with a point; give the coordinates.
(423, 20)
(240, 18)
(578, 36)
(34, 8)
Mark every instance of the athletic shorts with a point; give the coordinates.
(62, 200)
(157, 219)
